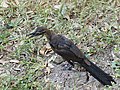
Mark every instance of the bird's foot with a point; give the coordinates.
(87, 77)
(67, 66)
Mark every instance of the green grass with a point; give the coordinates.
(83, 21)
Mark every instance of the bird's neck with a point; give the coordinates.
(49, 34)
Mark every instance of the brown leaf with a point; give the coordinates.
(42, 51)
(47, 50)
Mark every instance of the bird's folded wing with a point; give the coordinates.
(79, 54)
(68, 46)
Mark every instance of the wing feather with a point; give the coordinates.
(67, 48)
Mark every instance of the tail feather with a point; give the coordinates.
(98, 73)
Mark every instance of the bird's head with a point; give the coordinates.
(39, 31)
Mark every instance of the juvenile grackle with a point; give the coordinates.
(71, 53)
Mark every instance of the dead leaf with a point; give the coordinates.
(14, 61)
(17, 69)
(47, 50)
(57, 7)
(42, 51)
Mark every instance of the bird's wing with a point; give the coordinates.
(66, 46)
(78, 53)
(73, 48)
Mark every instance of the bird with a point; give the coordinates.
(71, 53)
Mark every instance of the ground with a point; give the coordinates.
(30, 64)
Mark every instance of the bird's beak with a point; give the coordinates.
(34, 34)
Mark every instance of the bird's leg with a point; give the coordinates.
(87, 77)
(71, 63)
(68, 66)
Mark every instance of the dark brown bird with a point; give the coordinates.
(71, 53)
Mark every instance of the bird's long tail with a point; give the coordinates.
(97, 73)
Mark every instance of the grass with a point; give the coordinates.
(91, 23)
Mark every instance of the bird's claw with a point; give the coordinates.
(67, 67)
